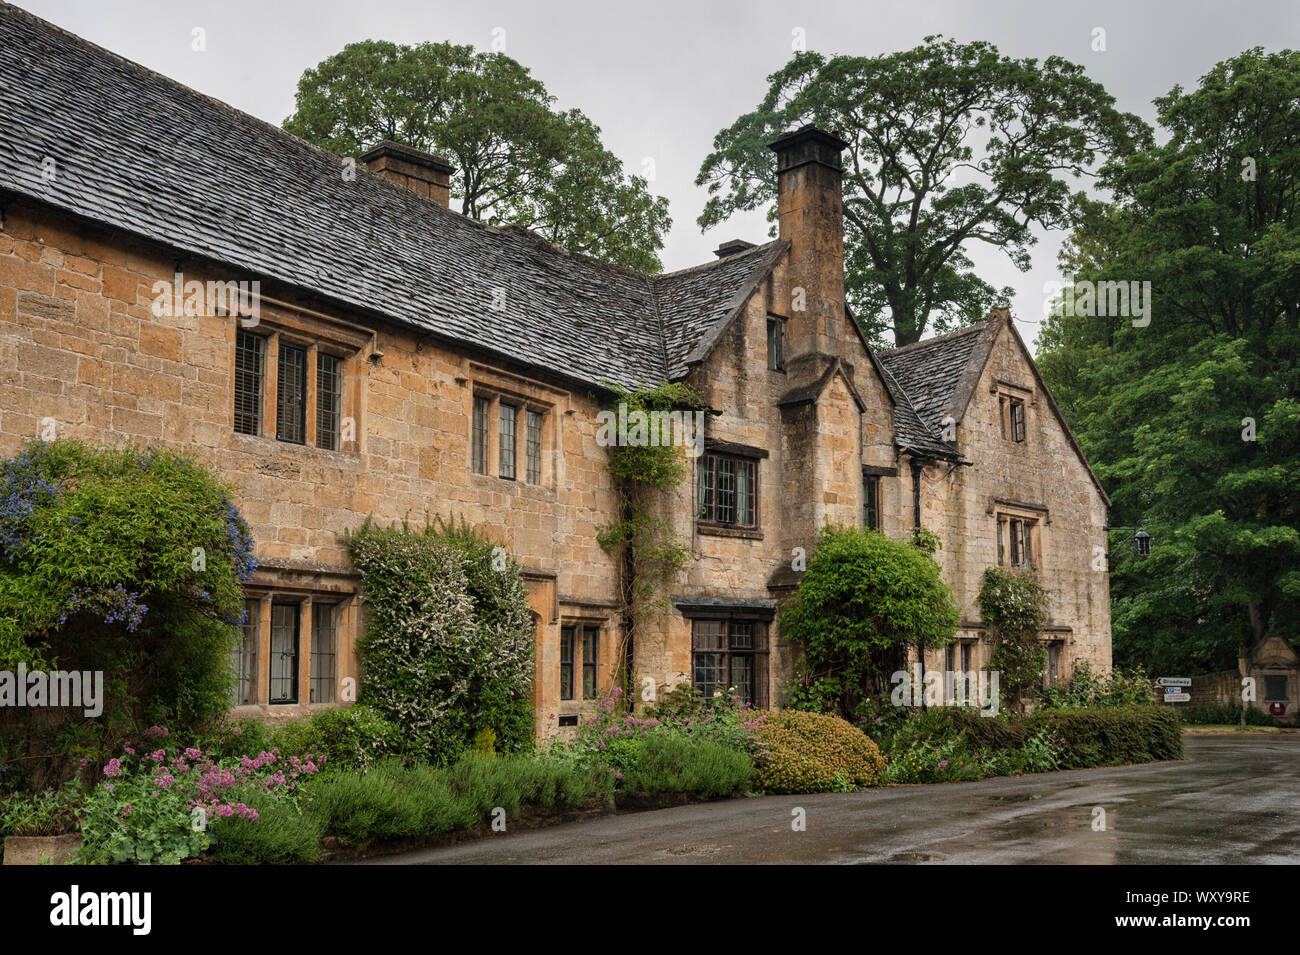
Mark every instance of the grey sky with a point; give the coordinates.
(661, 79)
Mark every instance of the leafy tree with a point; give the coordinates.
(863, 600)
(1193, 421)
(517, 159)
(949, 144)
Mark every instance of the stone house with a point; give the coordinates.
(1273, 665)
(401, 360)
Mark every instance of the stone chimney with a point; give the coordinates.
(1000, 313)
(734, 247)
(810, 212)
(423, 173)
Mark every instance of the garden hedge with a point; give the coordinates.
(1106, 736)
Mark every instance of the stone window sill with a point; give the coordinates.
(721, 530)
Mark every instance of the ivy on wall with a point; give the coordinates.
(647, 551)
(1012, 605)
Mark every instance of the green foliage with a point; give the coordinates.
(675, 764)
(50, 813)
(1012, 605)
(351, 737)
(1014, 129)
(1223, 714)
(515, 158)
(136, 822)
(392, 801)
(863, 600)
(449, 649)
(282, 834)
(947, 744)
(1087, 689)
(814, 753)
(647, 552)
(1210, 219)
(124, 562)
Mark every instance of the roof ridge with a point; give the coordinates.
(717, 263)
(938, 339)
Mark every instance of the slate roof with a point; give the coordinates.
(142, 153)
(139, 152)
(934, 373)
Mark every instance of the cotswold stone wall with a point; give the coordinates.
(83, 356)
(1043, 479)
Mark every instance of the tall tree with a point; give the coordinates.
(517, 159)
(949, 144)
(1193, 420)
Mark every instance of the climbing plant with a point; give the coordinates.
(1012, 605)
(648, 552)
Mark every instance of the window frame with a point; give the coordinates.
(568, 636)
(329, 400)
(507, 451)
(257, 394)
(590, 641)
(295, 690)
(871, 501)
(244, 657)
(532, 446)
(758, 653)
(315, 677)
(775, 343)
(1019, 540)
(284, 404)
(707, 480)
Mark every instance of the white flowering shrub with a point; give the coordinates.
(448, 648)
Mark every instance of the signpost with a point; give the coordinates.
(1174, 688)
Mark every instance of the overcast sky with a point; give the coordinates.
(662, 78)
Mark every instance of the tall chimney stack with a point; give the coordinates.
(423, 173)
(810, 212)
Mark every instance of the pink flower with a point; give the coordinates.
(114, 768)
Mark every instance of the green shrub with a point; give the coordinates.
(864, 599)
(1086, 689)
(671, 764)
(396, 802)
(813, 753)
(282, 834)
(388, 802)
(448, 650)
(1012, 604)
(1207, 714)
(125, 562)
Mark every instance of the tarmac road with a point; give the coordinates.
(1232, 800)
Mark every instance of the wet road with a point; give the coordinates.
(1233, 800)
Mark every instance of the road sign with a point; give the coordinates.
(1177, 697)
(1174, 681)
